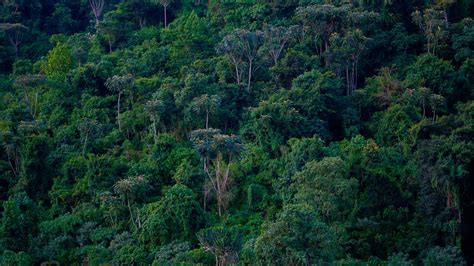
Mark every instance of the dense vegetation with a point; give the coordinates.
(253, 132)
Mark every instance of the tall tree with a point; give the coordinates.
(239, 45)
(155, 109)
(87, 128)
(224, 243)
(431, 22)
(28, 85)
(127, 189)
(15, 33)
(276, 39)
(205, 105)
(218, 153)
(164, 4)
(97, 7)
(344, 56)
(119, 85)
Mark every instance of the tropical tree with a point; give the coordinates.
(97, 8)
(224, 243)
(276, 39)
(432, 24)
(119, 85)
(15, 33)
(127, 189)
(218, 153)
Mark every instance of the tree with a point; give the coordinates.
(322, 21)
(463, 42)
(218, 152)
(232, 48)
(11, 258)
(384, 87)
(15, 33)
(344, 55)
(127, 189)
(205, 105)
(97, 7)
(87, 127)
(432, 24)
(28, 84)
(297, 237)
(242, 44)
(59, 61)
(177, 216)
(304, 110)
(18, 222)
(164, 4)
(325, 186)
(251, 44)
(444, 255)
(276, 39)
(437, 103)
(431, 72)
(109, 202)
(155, 109)
(224, 243)
(119, 85)
(112, 28)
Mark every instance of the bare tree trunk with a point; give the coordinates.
(14, 170)
(131, 212)
(97, 7)
(353, 78)
(166, 20)
(423, 105)
(249, 76)
(356, 74)
(16, 50)
(237, 75)
(347, 81)
(36, 105)
(138, 219)
(118, 110)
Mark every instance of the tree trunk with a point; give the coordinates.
(118, 110)
(347, 81)
(131, 212)
(423, 105)
(237, 75)
(16, 51)
(166, 20)
(249, 76)
(36, 105)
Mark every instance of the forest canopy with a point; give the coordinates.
(304, 132)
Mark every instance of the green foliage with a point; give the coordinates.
(224, 243)
(59, 61)
(326, 186)
(271, 133)
(443, 256)
(18, 223)
(177, 216)
(297, 236)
